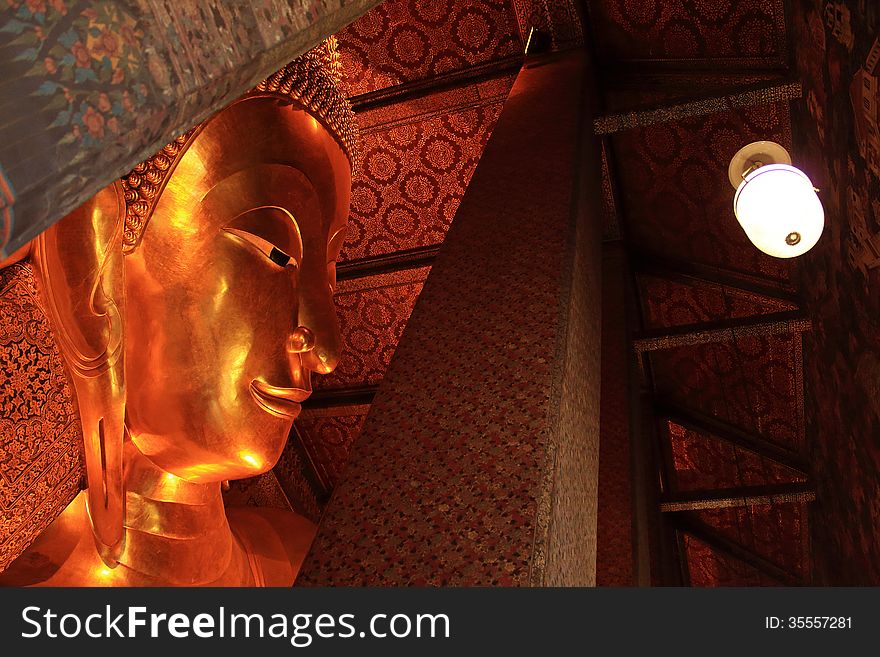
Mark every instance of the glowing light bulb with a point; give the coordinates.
(778, 209)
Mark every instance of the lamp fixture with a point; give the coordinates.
(775, 203)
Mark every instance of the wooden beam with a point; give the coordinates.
(319, 487)
(761, 93)
(657, 266)
(419, 88)
(712, 426)
(621, 72)
(726, 498)
(422, 256)
(794, 321)
(690, 524)
(351, 396)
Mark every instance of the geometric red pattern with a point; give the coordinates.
(706, 568)
(328, 435)
(749, 32)
(372, 313)
(412, 179)
(668, 303)
(751, 383)
(772, 531)
(703, 462)
(405, 40)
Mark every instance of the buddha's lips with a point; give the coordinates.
(281, 402)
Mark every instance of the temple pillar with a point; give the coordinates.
(614, 558)
(478, 462)
(93, 87)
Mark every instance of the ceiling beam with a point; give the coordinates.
(685, 82)
(727, 498)
(320, 488)
(350, 396)
(422, 256)
(761, 93)
(657, 266)
(794, 321)
(631, 71)
(419, 88)
(687, 523)
(712, 426)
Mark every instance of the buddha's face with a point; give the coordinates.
(229, 306)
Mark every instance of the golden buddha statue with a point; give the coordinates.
(191, 303)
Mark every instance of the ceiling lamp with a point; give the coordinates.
(775, 203)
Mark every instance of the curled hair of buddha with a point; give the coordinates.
(311, 82)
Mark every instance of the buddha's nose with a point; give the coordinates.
(317, 343)
(301, 340)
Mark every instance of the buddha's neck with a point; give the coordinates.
(176, 531)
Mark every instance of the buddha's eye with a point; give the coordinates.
(334, 246)
(279, 257)
(272, 231)
(264, 246)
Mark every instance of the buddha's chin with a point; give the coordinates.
(230, 457)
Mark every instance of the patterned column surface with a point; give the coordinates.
(477, 464)
(614, 558)
(91, 88)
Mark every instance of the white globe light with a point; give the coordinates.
(779, 210)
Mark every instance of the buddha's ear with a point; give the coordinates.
(78, 263)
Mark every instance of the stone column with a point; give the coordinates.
(478, 462)
(89, 88)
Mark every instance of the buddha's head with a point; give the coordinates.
(194, 299)
(228, 289)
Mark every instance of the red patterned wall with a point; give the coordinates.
(412, 180)
(405, 40)
(752, 383)
(750, 32)
(328, 435)
(668, 303)
(774, 532)
(296, 473)
(703, 462)
(558, 18)
(708, 567)
(372, 312)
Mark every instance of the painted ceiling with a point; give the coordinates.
(429, 80)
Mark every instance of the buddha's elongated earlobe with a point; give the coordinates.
(78, 263)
